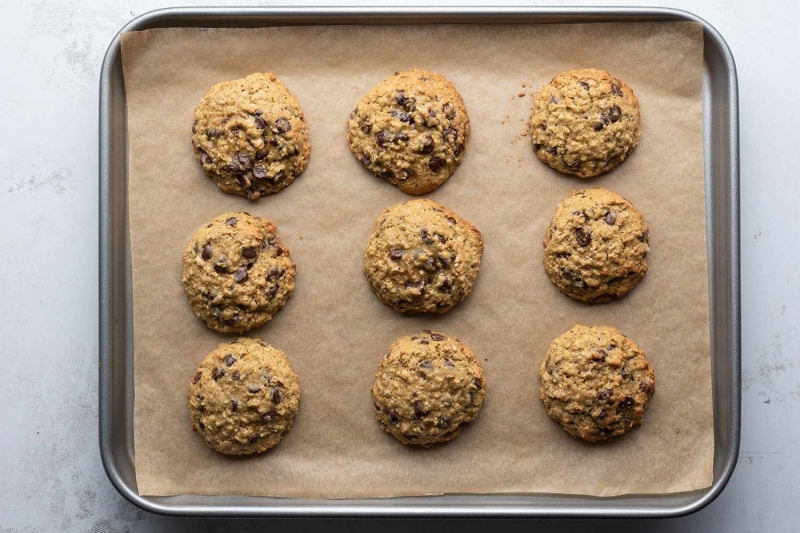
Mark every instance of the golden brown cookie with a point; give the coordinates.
(237, 273)
(410, 130)
(427, 386)
(596, 246)
(596, 383)
(422, 257)
(584, 122)
(250, 136)
(243, 397)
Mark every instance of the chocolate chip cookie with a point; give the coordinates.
(237, 273)
(584, 122)
(410, 130)
(243, 397)
(596, 383)
(427, 386)
(250, 136)
(596, 246)
(422, 257)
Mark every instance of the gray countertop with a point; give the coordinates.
(52, 478)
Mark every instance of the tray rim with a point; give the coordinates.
(375, 507)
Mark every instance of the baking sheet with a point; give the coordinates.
(335, 331)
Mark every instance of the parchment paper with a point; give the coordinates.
(334, 330)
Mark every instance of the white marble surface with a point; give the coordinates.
(51, 478)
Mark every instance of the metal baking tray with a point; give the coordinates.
(721, 148)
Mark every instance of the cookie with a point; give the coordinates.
(422, 257)
(411, 130)
(596, 246)
(584, 122)
(427, 386)
(250, 136)
(596, 383)
(243, 397)
(237, 273)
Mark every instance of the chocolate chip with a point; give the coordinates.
(207, 252)
(259, 172)
(600, 354)
(626, 420)
(365, 160)
(425, 237)
(382, 138)
(402, 136)
(242, 179)
(443, 422)
(220, 269)
(277, 178)
(419, 410)
(273, 142)
(271, 292)
(477, 383)
(616, 90)
(645, 387)
(282, 125)
(448, 363)
(554, 100)
(252, 388)
(426, 364)
(244, 160)
(614, 114)
(408, 103)
(435, 164)
(385, 174)
(583, 236)
(644, 236)
(217, 373)
(266, 417)
(584, 85)
(396, 255)
(205, 159)
(409, 436)
(377, 407)
(451, 220)
(402, 116)
(627, 402)
(236, 375)
(537, 146)
(197, 377)
(212, 133)
(241, 275)
(553, 150)
(427, 145)
(229, 360)
(365, 126)
(393, 418)
(598, 126)
(423, 341)
(602, 416)
(449, 111)
(194, 127)
(202, 426)
(277, 250)
(277, 395)
(274, 273)
(605, 395)
(437, 337)
(458, 150)
(250, 253)
(610, 218)
(563, 255)
(260, 123)
(234, 405)
(446, 287)
(232, 221)
(450, 134)
(567, 273)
